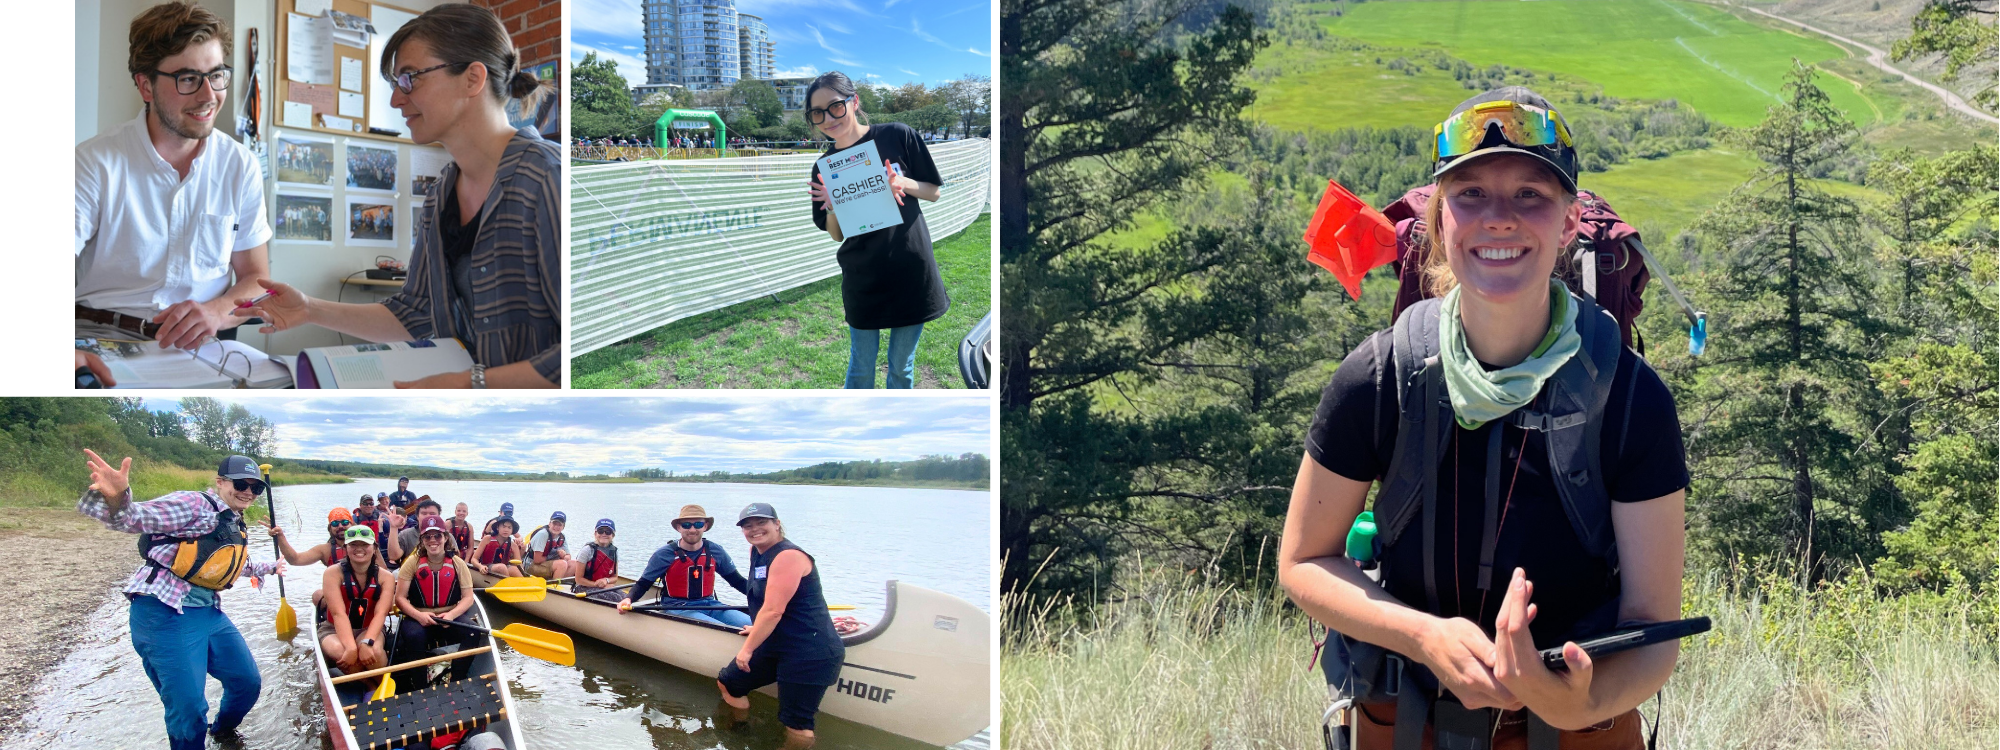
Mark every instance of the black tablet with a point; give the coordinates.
(1630, 638)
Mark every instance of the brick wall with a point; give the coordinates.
(536, 26)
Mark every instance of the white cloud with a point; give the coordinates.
(629, 66)
(765, 7)
(802, 71)
(916, 29)
(619, 17)
(911, 72)
(845, 63)
(976, 51)
(821, 38)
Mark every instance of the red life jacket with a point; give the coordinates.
(360, 598)
(339, 551)
(603, 563)
(494, 552)
(461, 532)
(377, 523)
(692, 576)
(435, 585)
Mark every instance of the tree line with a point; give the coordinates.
(601, 106)
(971, 469)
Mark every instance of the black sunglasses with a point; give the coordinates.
(837, 109)
(252, 485)
(692, 524)
(189, 81)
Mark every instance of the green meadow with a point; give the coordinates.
(1729, 69)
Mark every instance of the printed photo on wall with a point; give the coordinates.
(304, 159)
(371, 223)
(426, 165)
(303, 218)
(371, 168)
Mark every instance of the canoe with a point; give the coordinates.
(483, 699)
(924, 671)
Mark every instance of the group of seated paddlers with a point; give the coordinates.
(400, 549)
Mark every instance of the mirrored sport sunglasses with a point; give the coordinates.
(1520, 124)
(339, 524)
(253, 485)
(691, 524)
(189, 81)
(837, 109)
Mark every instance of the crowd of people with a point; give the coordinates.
(311, 162)
(371, 222)
(303, 221)
(371, 168)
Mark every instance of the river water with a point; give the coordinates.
(98, 696)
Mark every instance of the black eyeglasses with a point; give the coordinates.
(837, 110)
(189, 81)
(406, 81)
(692, 524)
(248, 484)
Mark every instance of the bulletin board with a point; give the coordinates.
(326, 98)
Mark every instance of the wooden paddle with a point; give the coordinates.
(288, 620)
(547, 645)
(594, 592)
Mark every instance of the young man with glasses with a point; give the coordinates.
(686, 569)
(170, 227)
(194, 547)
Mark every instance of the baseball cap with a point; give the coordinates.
(359, 534)
(756, 510)
(506, 509)
(238, 467)
(430, 524)
(1560, 158)
(559, 516)
(605, 523)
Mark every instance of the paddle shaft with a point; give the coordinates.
(346, 678)
(504, 635)
(271, 503)
(742, 607)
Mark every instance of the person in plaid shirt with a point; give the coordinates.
(178, 628)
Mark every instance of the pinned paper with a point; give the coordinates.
(352, 104)
(337, 123)
(312, 7)
(298, 115)
(1348, 238)
(320, 97)
(350, 73)
(309, 50)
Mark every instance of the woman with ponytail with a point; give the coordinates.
(485, 269)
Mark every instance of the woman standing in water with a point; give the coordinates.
(486, 268)
(888, 278)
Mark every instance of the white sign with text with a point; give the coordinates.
(858, 185)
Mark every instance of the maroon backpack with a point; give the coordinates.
(1612, 270)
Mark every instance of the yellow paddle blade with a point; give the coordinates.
(517, 594)
(288, 621)
(521, 582)
(384, 690)
(547, 645)
(838, 607)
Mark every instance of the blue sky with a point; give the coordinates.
(588, 435)
(880, 41)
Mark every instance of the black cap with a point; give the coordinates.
(402, 479)
(1560, 159)
(238, 467)
(756, 510)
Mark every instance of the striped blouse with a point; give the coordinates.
(516, 268)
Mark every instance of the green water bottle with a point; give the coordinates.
(1361, 540)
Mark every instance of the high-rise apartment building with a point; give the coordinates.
(693, 43)
(754, 48)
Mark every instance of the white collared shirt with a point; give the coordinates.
(145, 238)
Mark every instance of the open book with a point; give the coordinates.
(380, 365)
(216, 364)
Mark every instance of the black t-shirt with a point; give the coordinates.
(1536, 533)
(457, 237)
(888, 278)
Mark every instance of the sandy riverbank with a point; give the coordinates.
(60, 566)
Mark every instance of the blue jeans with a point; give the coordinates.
(734, 618)
(179, 652)
(862, 347)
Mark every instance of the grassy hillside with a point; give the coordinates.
(1725, 67)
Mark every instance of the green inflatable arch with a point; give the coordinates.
(663, 128)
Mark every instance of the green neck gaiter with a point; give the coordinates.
(1479, 396)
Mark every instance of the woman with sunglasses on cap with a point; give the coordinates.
(888, 278)
(485, 269)
(1538, 503)
(792, 640)
(686, 569)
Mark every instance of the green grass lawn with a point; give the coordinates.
(1339, 89)
(798, 343)
(1729, 69)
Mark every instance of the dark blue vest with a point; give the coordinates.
(805, 630)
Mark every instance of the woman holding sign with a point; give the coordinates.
(485, 269)
(888, 278)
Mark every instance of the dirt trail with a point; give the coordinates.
(60, 567)
(1880, 59)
